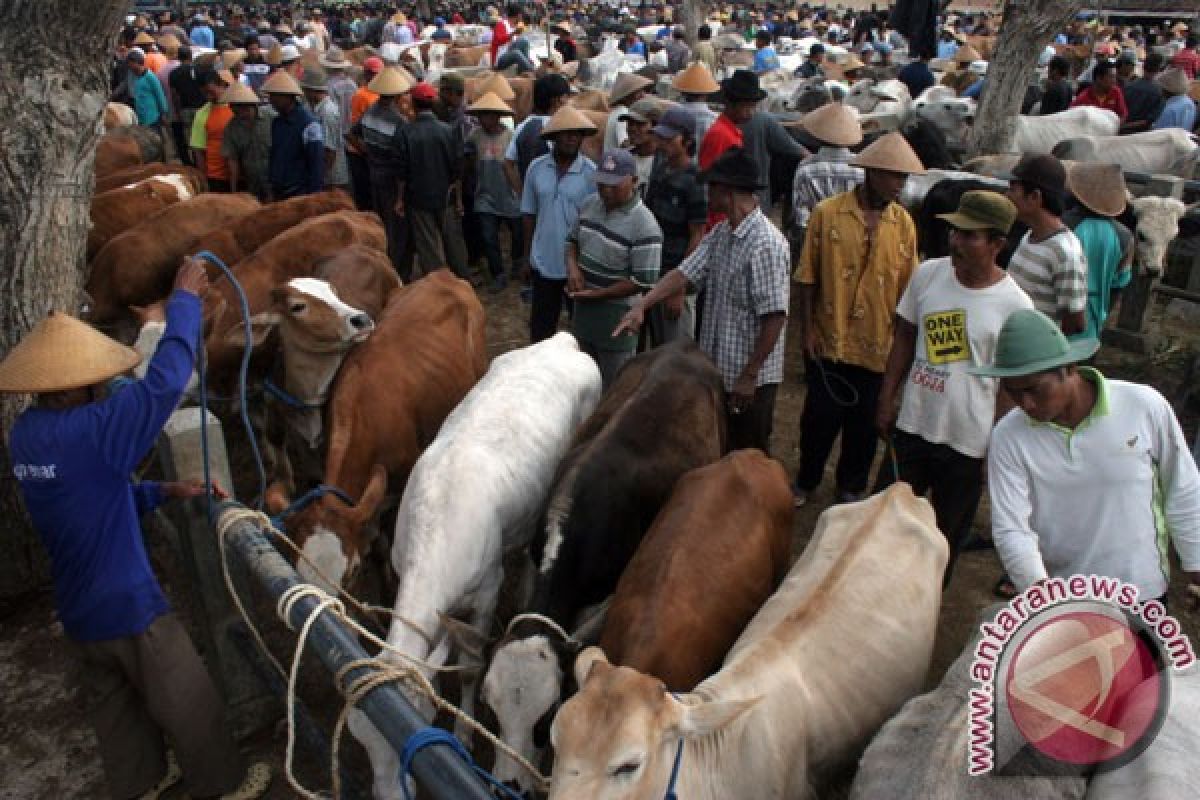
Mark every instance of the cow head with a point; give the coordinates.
(331, 536)
(1157, 225)
(617, 738)
(953, 117)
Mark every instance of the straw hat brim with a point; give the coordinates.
(237, 94)
(696, 79)
(490, 103)
(282, 83)
(1077, 350)
(328, 64)
(567, 120)
(890, 152)
(498, 85)
(833, 124)
(63, 353)
(626, 84)
(1099, 187)
(389, 83)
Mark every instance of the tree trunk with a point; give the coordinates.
(54, 57)
(1028, 27)
(692, 15)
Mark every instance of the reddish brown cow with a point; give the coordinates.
(131, 175)
(116, 151)
(522, 104)
(715, 553)
(239, 240)
(119, 210)
(463, 56)
(591, 100)
(593, 146)
(292, 254)
(388, 403)
(137, 267)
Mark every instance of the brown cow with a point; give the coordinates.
(116, 151)
(463, 56)
(131, 175)
(593, 146)
(137, 267)
(118, 115)
(388, 403)
(239, 240)
(591, 100)
(292, 254)
(119, 210)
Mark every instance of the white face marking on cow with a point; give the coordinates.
(523, 684)
(179, 182)
(358, 325)
(1157, 226)
(323, 550)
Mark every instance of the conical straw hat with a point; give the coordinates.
(833, 124)
(489, 103)
(497, 85)
(626, 84)
(239, 95)
(275, 55)
(390, 82)
(890, 152)
(966, 54)
(1100, 187)
(64, 353)
(696, 79)
(566, 119)
(281, 83)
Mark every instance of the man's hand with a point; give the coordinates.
(742, 395)
(885, 417)
(575, 282)
(583, 294)
(192, 488)
(192, 277)
(812, 343)
(673, 305)
(631, 322)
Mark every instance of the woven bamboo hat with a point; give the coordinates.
(282, 83)
(169, 44)
(626, 84)
(890, 152)
(696, 79)
(143, 38)
(64, 353)
(231, 58)
(966, 54)
(390, 83)
(1174, 81)
(834, 124)
(239, 95)
(498, 85)
(1100, 187)
(490, 103)
(567, 119)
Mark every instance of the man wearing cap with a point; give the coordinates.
(859, 252)
(315, 84)
(628, 89)
(137, 676)
(827, 172)
(1048, 263)
(429, 171)
(550, 93)
(148, 99)
(742, 266)
(208, 130)
(1188, 59)
(341, 86)
(1104, 91)
(613, 252)
(1179, 110)
(704, 52)
(555, 188)
(495, 202)
(297, 161)
(638, 120)
(811, 68)
(246, 143)
(378, 134)
(356, 159)
(765, 57)
(947, 320)
(201, 35)
(564, 42)
(1086, 475)
(741, 95)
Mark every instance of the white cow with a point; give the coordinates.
(952, 115)
(884, 97)
(474, 495)
(1171, 151)
(1157, 226)
(1041, 134)
(836, 650)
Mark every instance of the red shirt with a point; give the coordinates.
(501, 34)
(1186, 60)
(723, 135)
(1114, 101)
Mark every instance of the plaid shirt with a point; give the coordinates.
(745, 272)
(819, 177)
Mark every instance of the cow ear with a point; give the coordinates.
(470, 640)
(591, 659)
(276, 499)
(590, 629)
(261, 325)
(706, 718)
(372, 496)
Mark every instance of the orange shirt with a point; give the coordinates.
(214, 130)
(155, 62)
(363, 99)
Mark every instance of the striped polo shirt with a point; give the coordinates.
(1053, 272)
(622, 244)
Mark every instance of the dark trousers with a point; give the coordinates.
(954, 482)
(828, 412)
(752, 427)
(547, 306)
(218, 185)
(383, 196)
(140, 689)
(489, 231)
(360, 181)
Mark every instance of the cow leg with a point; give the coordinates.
(481, 620)
(385, 764)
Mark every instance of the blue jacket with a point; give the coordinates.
(297, 154)
(73, 467)
(148, 99)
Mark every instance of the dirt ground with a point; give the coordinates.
(47, 752)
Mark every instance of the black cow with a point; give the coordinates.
(663, 415)
(933, 234)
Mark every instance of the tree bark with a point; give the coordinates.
(692, 15)
(54, 57)
(1028, 27)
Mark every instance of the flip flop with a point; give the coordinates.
(173, 775)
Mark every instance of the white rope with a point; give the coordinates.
(549, 623)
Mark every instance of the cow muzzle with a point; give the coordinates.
(361, 326)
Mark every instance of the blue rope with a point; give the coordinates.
(307, 499)
(429, 736)
(287, 398)
(243, 404)
(671, 795)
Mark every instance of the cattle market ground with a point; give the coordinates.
(47, 752)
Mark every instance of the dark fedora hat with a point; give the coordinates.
(742, 86)
(734, 168)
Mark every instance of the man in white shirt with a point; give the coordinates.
(948, 320)
(1087, 475)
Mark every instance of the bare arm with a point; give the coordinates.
(234, 174)
(808, 324)
(747, 382)
(900, 359)
(674, 281)
(514, 179)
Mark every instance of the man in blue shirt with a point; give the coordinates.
(297, 164)
(149, 101)
(202, 35)
(139, 677)
(1180, 110)
(916, 75)
(765, 58)
(556, 185)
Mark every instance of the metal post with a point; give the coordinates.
(438, 769)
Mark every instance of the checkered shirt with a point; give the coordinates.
(745, 275)
(819, 177)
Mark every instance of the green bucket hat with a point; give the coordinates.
(982, 210)
(1031, 342)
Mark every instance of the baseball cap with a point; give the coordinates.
(1042, 171)
(614, 167)
(644, 110)
(982, 210)
(424, 91)
(675, 122)
(373, 64)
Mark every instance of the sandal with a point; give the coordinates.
(172, 776)
(254, 785)
(1005, 589)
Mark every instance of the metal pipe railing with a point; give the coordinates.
(441, 772)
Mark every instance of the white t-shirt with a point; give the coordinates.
(957, 329)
